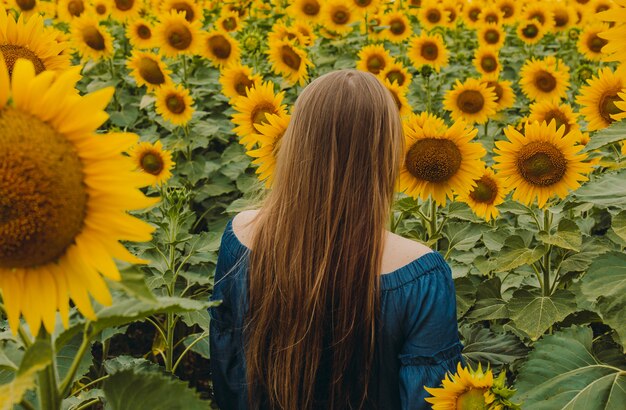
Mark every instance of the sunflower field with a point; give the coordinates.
(131, 131)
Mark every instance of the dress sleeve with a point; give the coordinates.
(432, 347)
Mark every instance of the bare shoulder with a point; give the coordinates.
(243, 225)
(400, 251)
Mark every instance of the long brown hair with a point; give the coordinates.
(317, 248)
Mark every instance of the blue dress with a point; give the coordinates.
(419, 342)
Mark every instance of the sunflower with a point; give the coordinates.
(366, 6)
(68, 10)
(599, 6)
(509, 9)
(432, 14)
(452, 10)
(562, 114)
(590, 43)
(228, 21)
(471, 101)
(564, 15)
(26, 8)
(306, 9)
(415, 121)
(123, 10)
(190, 8)
(140, 32)
(440, 160)
(280, 31)
(540, 13)
(253, 109)
(428, 49)
(491, 14)
(220, 48)
(488, 193)
(505, 97)
(269, 138)
(396, 73)
(65, 193)
(177, 36)
(91, 40)
(101, 8)
(148, 69)
(399, 26)
(597, 99)
(466, 389)
(374, 59)
(616, 48)
(174, 104)
(307, 32)
(338, 15)
(153, 160)
(236, 79)
(491, 35)
(30, 40)
(399, 96)
(541, 163)
(289, 61)
(530, 31)
(374, 28)
(621, 105)
(487, 62)
(471, 13)
(544, 79)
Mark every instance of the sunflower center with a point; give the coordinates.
(42, 195)
(290, 58)
(497, 88)
(397, 76)
(242, 84)
(488, 63)
(179, 37)
(607, 106)
(397, 27)
(433, 160)
(473, 399)
(220, 46)
(601, 8)
(470, 101)
(559, 118)
(144, 32)
(363, 3)
(538, 16)
(375, 63)
(12, 52)
(151, 72)
(101, 9)
(530, 31)
(507, 11)
(341, 16)
(396, 99)
(75, 7)
(474, 14)
(561, 18)
(26, 5)
(124, 5)
(259, 115)
(492, 36)
(541, 163)
(596, 43)
(491, 18)
(152, 163)
(485, 191)
(433, 16)
(312, 8)
(182, 6)
(175, 103)
(429, 51)
(545, 81)
(93, 38)
(229, 24)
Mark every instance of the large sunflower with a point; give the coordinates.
(177, 36)
(253, 109)
(140, 32)
(439, 160)
(174, 104)
(487, 62)
(338, 15)
(505, 97)
(427, 49)
(29, 40)
(148, 69)
(374, 59)
(65, 193)
(236, 79)
(541, 163)
(616, 48)
(269, 137)
(399, 26)
(471, 101)
(466, 389)
(153, 160)
(219, 47)
(306, 9)
(488, 193)
(191, 9)
(552, 110)
(91, 40)
(289, 61)
(590, 44)
(597, 99)
(544, 79)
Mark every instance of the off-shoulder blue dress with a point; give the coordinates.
(419, 337)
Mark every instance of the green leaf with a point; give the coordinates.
(201, 347)
(516, 254)
(489, 302)
(462, 235)
(131, 389)
(465, 295)
(199, 317)
(562, 373)
(605, 284)
(618, 225)
(133, 283)
(567, 236)
(66, 355)
(607, 190)
(614, 133)
(484, 346)
(38, 356)
(534, 313)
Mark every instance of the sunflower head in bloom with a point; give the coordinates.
(61, 224)
(621, 105)
(289, 61)
(26, 8)
(396, 73)
(148, 69)
(545, 79)
(505, 97)
(306, 30)
(90, 39)
(220, 48)
(471, 13)
(190, 8)
(269, 136)
(540, 13)
(67, 10)
(590, 44)
(30, 40)
(466, 389)
(548, 110)
(541, 162)
(488, 193)
(236, 79)
(398, 93)
(564, 15)
(399, 26)
(428, 49)
(487, 62)
(439, 160)
(140, 33)
(509, 9)
(339, 15)
(367, 5)
(491, 35)
(177, 36)
(374, 59)
(281, 31)
(432, 14)
(491, 14)
(598, 99)
(309, 10)
(616, 47)
(101, 8)
(153, 160)
(228, 21)
(174, 104)
(471, 101)
(530, 31)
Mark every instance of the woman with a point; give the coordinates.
(322, 307)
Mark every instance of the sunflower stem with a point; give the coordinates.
(486, 133)
(427, 86)
(192, 344)
(433, 223)
(169, 362)
(547, 221)
(66, 385)
(184, 60)
(47, 391)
